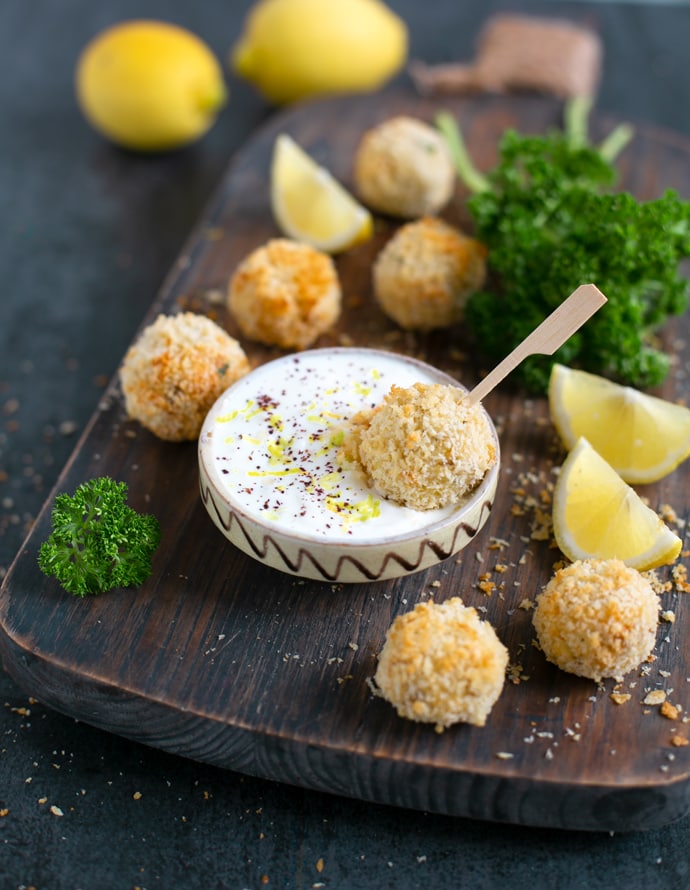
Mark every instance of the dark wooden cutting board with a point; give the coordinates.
(221, 659)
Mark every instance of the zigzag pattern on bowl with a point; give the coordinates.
(295, 566)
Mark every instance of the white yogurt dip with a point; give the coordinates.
(272, 440)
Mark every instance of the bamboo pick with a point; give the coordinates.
(547, 337)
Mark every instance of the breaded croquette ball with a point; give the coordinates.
(597, 618)
(403, 168)
(426, 272)
(425, 446)
(442, 664)
(174, 372)
(285, 294)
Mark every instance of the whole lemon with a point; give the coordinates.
(294, 49)
(149, 85)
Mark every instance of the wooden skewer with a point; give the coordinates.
(547, 337)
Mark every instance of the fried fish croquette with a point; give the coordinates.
(424, 446)
(426, 272)
(442, 664)
(597, 618)
(403, 168)
(285, 294)
(176, 369)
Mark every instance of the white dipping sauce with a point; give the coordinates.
(275, 434)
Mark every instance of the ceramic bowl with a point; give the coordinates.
(270, 482)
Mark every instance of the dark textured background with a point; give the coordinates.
(89, 233)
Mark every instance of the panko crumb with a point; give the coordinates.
(424, 446)
(442, 664)
(679, 574)
(655, 697)
(285, 294)
(669, 711)
(425, 274)
(403, 168)
(174, 372)
(597, 619)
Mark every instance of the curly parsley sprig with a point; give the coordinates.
(551, 220)
(97, 541)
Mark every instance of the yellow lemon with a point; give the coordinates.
(294, 49)
(596, 515)
(149, 85)
(643, 437)
(310, 205)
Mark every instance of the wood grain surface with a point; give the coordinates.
(221, 659)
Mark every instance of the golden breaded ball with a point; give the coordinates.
(175, 371)
(285, 294)
(403, 168)
(597, 618)
(442, 664)
(425, 274)
(425, 446)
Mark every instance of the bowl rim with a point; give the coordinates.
(423, 532)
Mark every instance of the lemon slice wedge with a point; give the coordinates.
(596, 515)
(643, 437)
(310, 205)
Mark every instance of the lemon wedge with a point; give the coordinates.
(310, 205)
(643, 437)
(596, 515)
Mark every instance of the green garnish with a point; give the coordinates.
(97, 541)
(551, 221)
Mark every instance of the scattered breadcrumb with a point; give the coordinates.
(655, 697)
(659, 586)
(671, 712)
(536, 506)
(485, 584)
(516, 674)
(669, 515)
(679, 573)
(620, 698)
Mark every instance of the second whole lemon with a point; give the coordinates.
(297, 49)
(149, 85)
